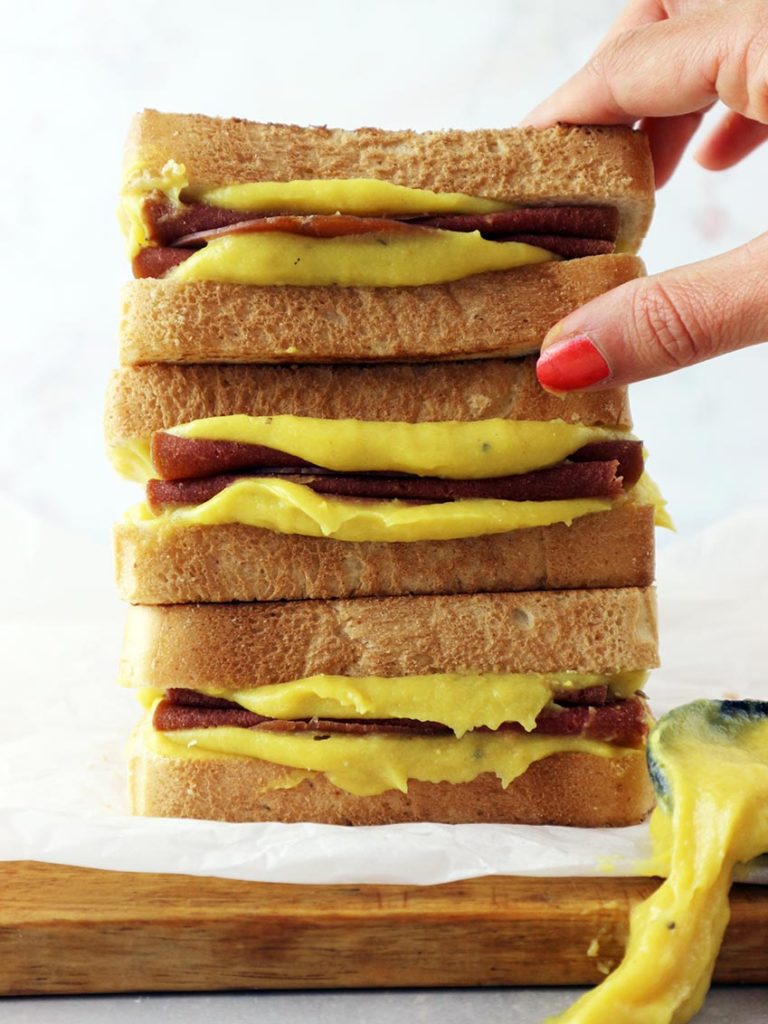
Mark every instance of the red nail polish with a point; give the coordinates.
(572, 364)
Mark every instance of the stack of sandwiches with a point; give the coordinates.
(378, 574)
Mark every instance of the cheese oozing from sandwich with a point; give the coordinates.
(285, 507)
(718, 818)
(372, 764)
(365, 261)
(378, 259)
(460, 701)
(459, 450)
(362, 197)
(453, 450)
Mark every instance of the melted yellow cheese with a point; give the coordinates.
(460, 450)
(460, 701)
(362, 197)
(375, 260)
(132, 460)
(285, 507)
(372, 764)
(718, 780)
(138, 182)
(357, 196)
(480, 449)
(454, 449)
(646, 492)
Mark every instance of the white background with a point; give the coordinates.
(71, 75)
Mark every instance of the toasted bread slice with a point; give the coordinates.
(237, 646)
(242, 646)
(485, 315)
(143, 399)
(560, 165)
(563, 789)
(480, 317)
(234, 562)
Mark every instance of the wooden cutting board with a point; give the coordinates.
(72, 930)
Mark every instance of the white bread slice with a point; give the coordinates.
(559, 165)
(238, 646)
(485, 316)
(143, 399)
(233, 646)
(234, 562)
(564, 789)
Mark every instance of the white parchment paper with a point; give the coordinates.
(65, 723)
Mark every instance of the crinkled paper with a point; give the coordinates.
(65, 725)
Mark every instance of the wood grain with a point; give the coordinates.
(72, 930)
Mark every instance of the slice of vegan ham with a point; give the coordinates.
(314, 225)
(566, 481)
(168, 223)
(601, 470)
(156, 261)
(568, 247)
(623, 723)
(600, 222)
(183, 458)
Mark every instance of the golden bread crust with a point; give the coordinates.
(239, 646)
(234, 562)
(142, 399)
(534, 615)
(485, 316)
(563, 164)
(564, 789)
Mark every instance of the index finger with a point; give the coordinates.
(656, 70)
(635, 14)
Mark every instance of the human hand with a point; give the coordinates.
(665, 63)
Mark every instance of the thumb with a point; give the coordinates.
(658, 324)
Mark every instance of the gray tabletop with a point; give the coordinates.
(742, 1005)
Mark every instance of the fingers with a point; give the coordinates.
(668, 138)
(635, 14)
(659, 70)
(730, 141)
(654, 325)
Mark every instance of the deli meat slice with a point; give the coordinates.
(570, 232)
(629, 455)
(168, 223)
(623, 723)
(156, 261)
(567, 246)
(181, 458)
(607, 477)
(569, 480)
(312, 225)
(600, 222)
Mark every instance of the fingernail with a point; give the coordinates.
(572, 364)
